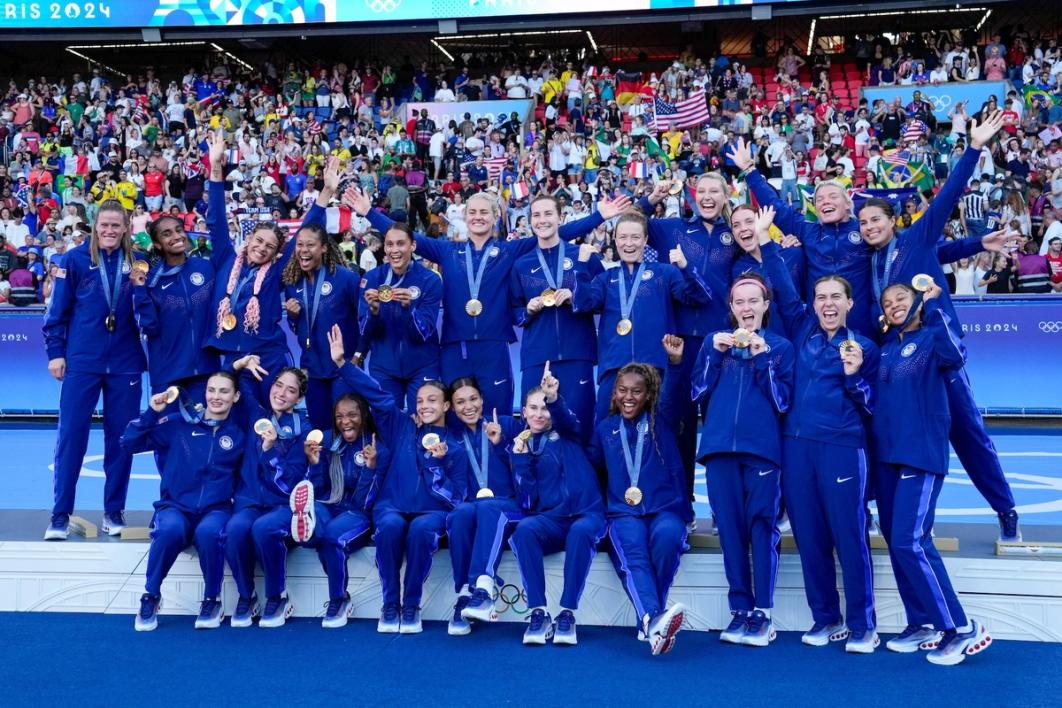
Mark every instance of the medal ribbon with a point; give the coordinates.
(296, 427)
(890, 256)
(481, 466)
(474, 281)
(543, 438)
(627, 302)
(311, 312)
(554, 281)
(166, 272)
(235, 294)
(111, 294)
(634, 465)
(390, 273)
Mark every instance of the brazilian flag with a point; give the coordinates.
(1032, 94)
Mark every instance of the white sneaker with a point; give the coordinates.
(663, 628)
(113, 523)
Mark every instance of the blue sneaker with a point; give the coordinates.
(663, 628)
(337, 611)
(277, 610)
(411, 620)
(1008, 527)
(59, 528)
(389, 619)
(210, 614)
(913, 638)
(147, 619)
(736, 629)
(956, 646)
(862, 642)
(564, 632)
(822, 633)
(247, 608)
(480, 607)
(459, 626)
(539, 628)
(759, 630)
(113, 523)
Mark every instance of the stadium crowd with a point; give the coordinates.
(73, 142)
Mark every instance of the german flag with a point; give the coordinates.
(627, 90)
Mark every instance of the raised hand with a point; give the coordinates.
(586, 250)
(493, 428)
(357, 200)
(982, 133)
(609, 208)
(677, 257)
(741, 155)
(335, 346)
(932, 292)
(253, 364)
(550, 385)
(312, 449)
(757, 344)
(852, 358)
(674, 346)
(216, 152)
(331, 175)
(368, 452)
(998, 240)
(764, 219)
(438, 450)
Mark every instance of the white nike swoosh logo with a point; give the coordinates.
(166, 285)
(841, 480)
(764, 474)
(94, 267)
(615, 432)
(298, 290)
(133, 383)
(583, 382)
(907, 476)
(196, 435)
(535, 270)
(499, 383)
(691, 231)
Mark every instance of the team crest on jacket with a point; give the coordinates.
(568, 264)
(359, 459)
(225, 442)
(494, 251)
(855, 238)
(909, 349)
(197, 279)
(326, 289)
(647, 275)
(125, 268)
(726, 238)
(414, 292)
(554, 436)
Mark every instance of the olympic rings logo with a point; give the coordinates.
(382, 5)
(1051, 327)
(513, 598)
(940, 102)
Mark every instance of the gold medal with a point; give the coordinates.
(262, 426)
(742, 338)
(385, 293)
(549, 297)
(850, 345)
(474, 307)
(624, 327)
(485, 493)
(430, 440)
(228, 323)
(141, 266)
(883, 324)
(171, 394)
(633, 496)
(675, 188)
(315, 436)
(922, 282)
(525, 436)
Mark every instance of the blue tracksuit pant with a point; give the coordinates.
(541, 535)
(576, 379)
(172, 531)
(404, 388)
(489, 362)
(646, 551)
(907, 502)
(744, 494)
(337, 535)
(823, 485)
(477, 532)
(78, 396)
(239, 547)
(687, 431)
(974, 448)
(415, 536)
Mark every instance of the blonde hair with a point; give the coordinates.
(112, 205)
(726, 211)
(492, 203)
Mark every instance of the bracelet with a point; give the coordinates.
(744, 173)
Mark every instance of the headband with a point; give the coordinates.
(748, 281)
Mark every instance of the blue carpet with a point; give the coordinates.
(302, 664)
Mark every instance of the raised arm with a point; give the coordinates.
(787, 218)
(221, 248)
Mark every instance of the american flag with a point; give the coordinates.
(22, 196)
(495, 165)
(692, 111)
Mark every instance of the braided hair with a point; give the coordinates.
(335, 462)
(253, 311)
(653, 385)
(330, 259)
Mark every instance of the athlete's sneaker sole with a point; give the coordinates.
(303, 519)
(663, 643)
(274, 622)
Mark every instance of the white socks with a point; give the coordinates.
(485, 582)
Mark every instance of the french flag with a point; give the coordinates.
(519, 191)
(337, 220)
(232, 157)
(638, 170)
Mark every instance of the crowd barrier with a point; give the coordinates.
(1014, 342)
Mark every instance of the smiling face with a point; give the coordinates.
(431, 405)
(831, 204)
(110, 228)
(398, 249)
(479, 216)
(630, 395)
(536, 412)
(171, 237)
(262, 246)
(348, 419)
(832, 305)
(748, 305)
(630, 241)
(896, 303)
(310, 250)
(545, 219)
(221, 394)
(711, 198)
(876, 227)
(743, 226)
(284, 393)
(468, 405)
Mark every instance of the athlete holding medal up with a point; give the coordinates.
(647, 506)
